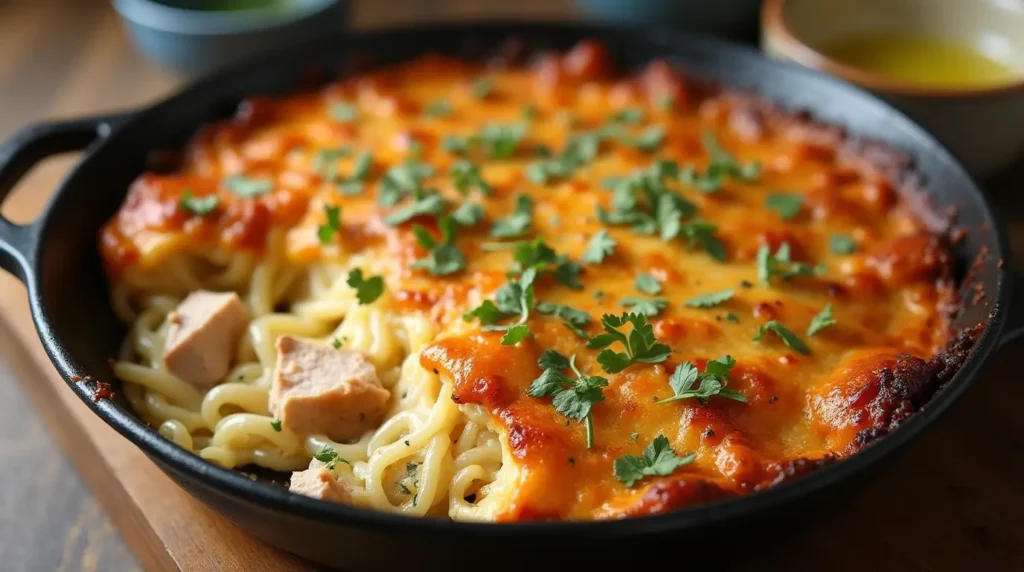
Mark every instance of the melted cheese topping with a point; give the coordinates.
(886, 296)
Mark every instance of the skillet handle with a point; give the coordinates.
(22, 152)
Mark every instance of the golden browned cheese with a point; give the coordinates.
(887, 295)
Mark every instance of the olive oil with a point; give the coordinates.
(924, 60)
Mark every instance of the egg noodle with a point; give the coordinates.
(452, 451)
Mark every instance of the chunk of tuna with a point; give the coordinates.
(204, 331)
(320, 390)
(318, 483)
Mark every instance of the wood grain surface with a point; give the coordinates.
(953, 500)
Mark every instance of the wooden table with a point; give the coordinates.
(954, 501)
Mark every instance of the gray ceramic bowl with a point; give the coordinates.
(193, 40)
(735, 19)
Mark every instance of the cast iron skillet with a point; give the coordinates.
(56, 258)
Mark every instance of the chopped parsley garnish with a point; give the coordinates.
(601, 245)
(443, 258)
(498, 140)
(786, 205)
(330, 456)
(578, 318)
(326, 231)
(573, 397)
(722, 166)
(785, 334)
(411, 481)
(513, 299)
(367, 289)
(438, 108)
(343, 112)
(336, 343)
(710, 300)
(468, 214)
(821, 321)
(712, 381)
(649, 139)
(842, 244)
(529, 111)
(732, 317)
(201, 206)
(276, 425)
(661, 211)
(362, 167)
(781, 264)
(518, 222)
(466, 176)
(455, 144)
(640, 345)
(245, 187)
(427, 203)
(629, 115)
(649, 307)
(325, 158)
(580, 149)
(647, 284)
(538, 255)
(401, 180)
(481, 87)
(658, 460)
(666, 102)
(703, 234)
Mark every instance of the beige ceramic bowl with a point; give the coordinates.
(984, 127)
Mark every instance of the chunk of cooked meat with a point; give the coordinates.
(320, 390)
(204, 330)
(318, 483)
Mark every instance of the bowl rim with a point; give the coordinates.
(172, 19)
(773, 26)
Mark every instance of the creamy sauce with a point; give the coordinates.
(924, 60)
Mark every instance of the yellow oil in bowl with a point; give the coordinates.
(923, 60)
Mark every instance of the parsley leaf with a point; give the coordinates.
(468, 214)
(438, 108)
(330, 456)
(781, 264)
(443, 257)
(710, 300)
(842, 244)
(455, 144)
(821, 321)
(786, 335)
(649, 307)
(600, 246)
(575, 317)
(712, 381)
(573, 398)
(481, 87)
(343, 112)
(629, 115)
(518, 222)
(466, 175)
(327, 230)
(722, 166)
(276, 425)
(649, 139)
(245, 187)
(325, 158)
(401, 180)
(514, 298)
(201, 206)
(367, 289)
(703, 234)
(647, 284)
(428, 203)
(640, 345)
(500, 140)
(659, 460)
(785, 204)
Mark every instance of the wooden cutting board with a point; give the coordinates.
(953, 500)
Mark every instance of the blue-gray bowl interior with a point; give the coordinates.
(736, 19)
(200, 41)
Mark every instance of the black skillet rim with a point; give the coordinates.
(235, 484)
